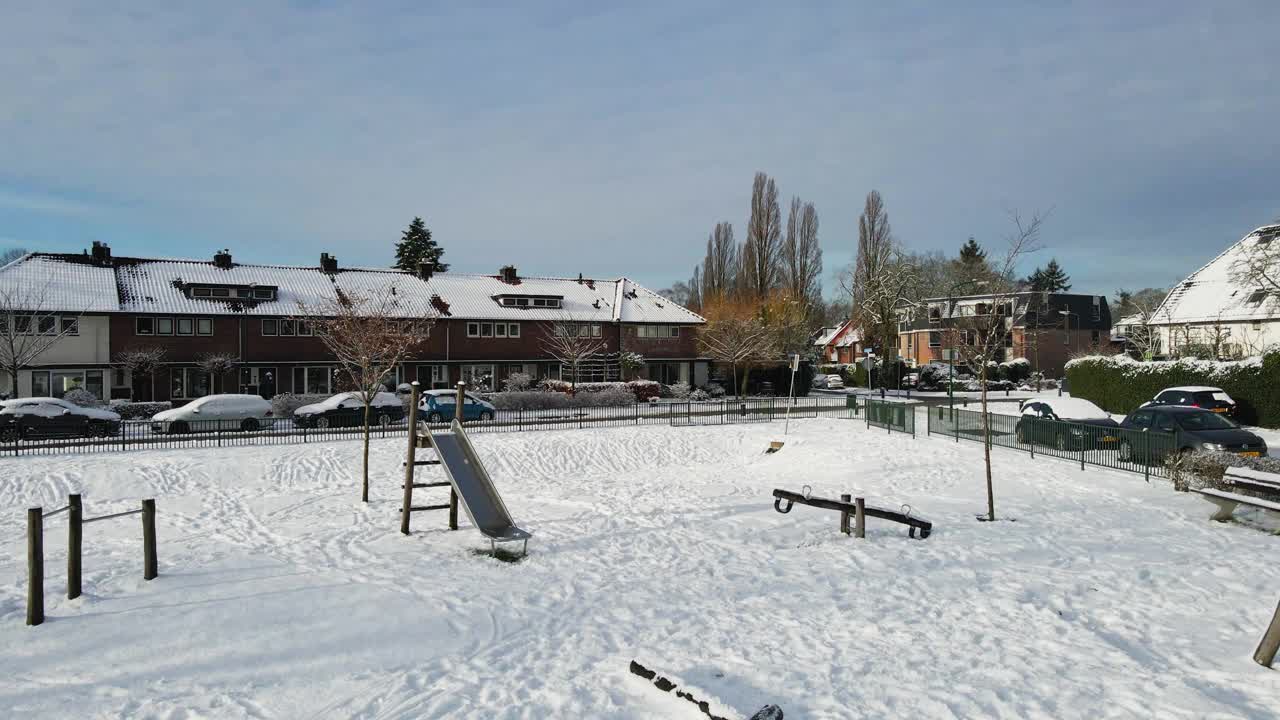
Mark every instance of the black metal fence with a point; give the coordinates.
(1109, 447)
(145, 434)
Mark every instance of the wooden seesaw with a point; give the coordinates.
(857, 508)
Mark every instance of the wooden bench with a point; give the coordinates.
(1227, 502)
(1254, 481)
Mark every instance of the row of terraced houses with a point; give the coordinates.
(485, 326)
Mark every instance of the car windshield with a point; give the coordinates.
(337, 400)
(1205, 421)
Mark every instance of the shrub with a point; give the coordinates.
(284, 404)
(1120, 384)
(645, 389)
(517, 381)
(932, 377)
(680, 390)
(715, 390)
(1204, 469)
(83, 398)
(613, 397)
(1015, 370)
(699, 395)
(529, 400)
(138, 410)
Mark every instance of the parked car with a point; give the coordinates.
(910, 381)
(215, 412)
(439, 405)
(347, 410)
(1196, 396)
(52, 417)
(1193, 429)
(1065, 423)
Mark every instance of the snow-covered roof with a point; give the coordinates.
(826, 334)
(1215, 292)
(840, 336)
(141, 285)
(1131, 320)
(43, 283)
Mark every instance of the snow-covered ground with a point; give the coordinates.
(280, 596)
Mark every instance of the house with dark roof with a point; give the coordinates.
(485, 327)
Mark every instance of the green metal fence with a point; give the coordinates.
(1109, 447)
(892, 416)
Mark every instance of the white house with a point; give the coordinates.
(1216, 307)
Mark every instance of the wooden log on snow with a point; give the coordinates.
(1266, 653)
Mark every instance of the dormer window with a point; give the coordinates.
(528, 301)
(231, 292)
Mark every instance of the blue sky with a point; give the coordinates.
(577, 137)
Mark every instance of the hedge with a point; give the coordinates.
(1120, 384)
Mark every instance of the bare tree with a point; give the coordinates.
(885, 280)
(735, 334)
(802, 258)
(759, 257)
(142, 362)
(720, 266)
(1136, 311)
(979, 332)
(1258, 266)
(217, 365)
(369, 336)
(30, 326)
(11, 254)
(572, 343)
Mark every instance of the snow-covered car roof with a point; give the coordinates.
(1193, 388)
(1071, 408)
(381, 398)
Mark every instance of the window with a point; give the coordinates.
(201, 292)
(286, 328)
(473, 329)
(144, 326)
(190, 383)
(47, 325)
(204, 326)
(318, 380)
(486, 330)
(1256, 297)
(40, 383)
(478, 377)
(186, 326)
(649, 331)
(546, 302)
(513, 330)
(164, 326)
(304, 328)
(935, 339)
(270, 327)
(70, 326)
(244, 293)
(263, 294)
(500, 330)
(220, 292)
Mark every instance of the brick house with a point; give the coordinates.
(485, 327)
(1045, 328)
(840, 344)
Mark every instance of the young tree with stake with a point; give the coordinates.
(978, 337)
(572, 343)
(30, 326)
(142, 362)
(369, 336)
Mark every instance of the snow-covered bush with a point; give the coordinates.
(639, 389)
(644, 389)
(83, 398)
(932, 377)
(1119, 383)
(517, 382)
(715, 390)
(1015, 370)
(529, 400)
(284, 404)
(1202, 469)
(680, 390)
(699, 395)
(138, 410)
(612, 397)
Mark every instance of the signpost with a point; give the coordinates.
(795, 365)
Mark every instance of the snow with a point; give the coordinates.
(1070, 408)
(282, 596)
(1215, 293)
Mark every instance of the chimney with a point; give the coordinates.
(222, 259)
(101, 253)
(425, 270)
(507, 273)
(328, 263)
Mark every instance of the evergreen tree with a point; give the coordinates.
(416, 246)
(1050, 278)
(972, 255)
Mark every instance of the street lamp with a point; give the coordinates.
(951, 351)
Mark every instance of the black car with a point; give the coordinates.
(1185, 429)
(1065, 423)
(42, 417)
(1196, 396)
(347, 410)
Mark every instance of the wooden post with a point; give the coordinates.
(458, 408)
(35, 566)
(149, 539)
(409, 458)
(1266, 653)
(453, 508)
(844, 516)
(75, 537)
(859, 517)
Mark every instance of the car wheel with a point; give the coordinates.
(1125, 453)
(322, 423)
(435, 417)
(9, 434)
(179, 427)
(486, 416)
(384, 420)
(249, 425)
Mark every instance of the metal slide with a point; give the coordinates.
(472, 483)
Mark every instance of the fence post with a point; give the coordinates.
(859, 518)
(1146, 458)
(844, 515)
(75, 541)
(35, 566)
(1266, 653)
(637, 411)
(453, 509)
(410, 456)
(149, 539)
